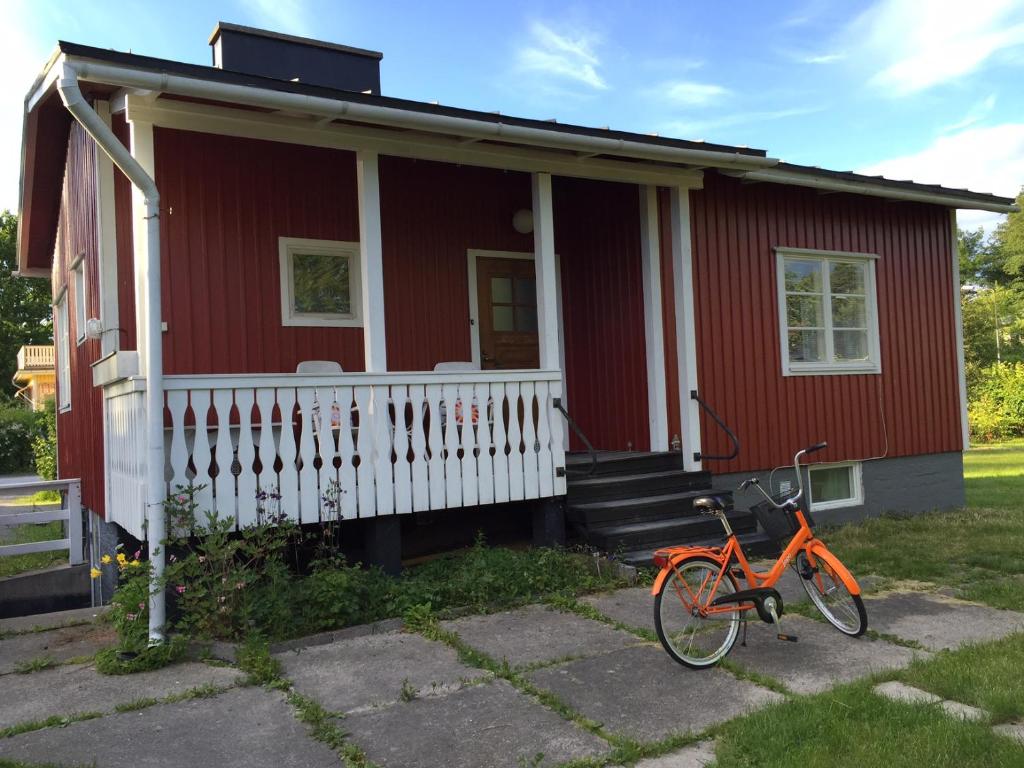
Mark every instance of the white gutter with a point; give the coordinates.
(161, 82)
(876, 190)
(71, 95)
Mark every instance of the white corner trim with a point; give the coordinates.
(654, 336)
(106, 236)
(874, 363)
(287, 247)
(142, 149)
(965, 427)
(686, 326)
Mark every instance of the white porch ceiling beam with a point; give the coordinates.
(686, 330)
(412, 144)
(546, 271)
(371, 272)
(654, 337)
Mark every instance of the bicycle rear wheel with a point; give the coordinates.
(692, 639)
(829, 593)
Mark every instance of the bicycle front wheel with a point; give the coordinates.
(688, 633)
(829, 593)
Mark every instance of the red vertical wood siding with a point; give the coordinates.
(597, 238)
(224, 203)
(80, 430)
(734, 230)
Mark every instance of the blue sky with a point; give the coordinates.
(879, 86)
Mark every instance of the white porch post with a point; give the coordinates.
(546, 270)
(650, 250)
(965, 430)
(371, 262)
(686, 333)
(141, 142)
(106, 234)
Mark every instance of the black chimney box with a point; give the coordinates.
(287, 57)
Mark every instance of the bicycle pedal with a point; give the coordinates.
(788, 638)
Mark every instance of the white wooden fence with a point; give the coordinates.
(70, 513)
(124, 440)
(393, 443)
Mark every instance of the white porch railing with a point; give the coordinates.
(124, 438)
(394, 443)
(35, 357)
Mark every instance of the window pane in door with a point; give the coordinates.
(803, 276)
(503, 319)
(526, 290)
(526, 319)
(321, 284)
(501, 290)
(847, 278)
(806, 346)
(851, 345)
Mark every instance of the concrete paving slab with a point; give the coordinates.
(640, 692)
(964, 711)
(1013, 731)
(823, 656)
(243, 728)
(372, 670)
(633, 607)
(488, 725)
(937, 622)
(76, 689)
(907, 694)
(51, 620)
(536, 633)
(694, 756)
(56, 644)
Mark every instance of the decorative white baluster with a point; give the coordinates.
(420, 477)
(470, 484)
(364, 474)
(402, 470)
(500, 458)
(452, 465)
(383, 470)
(201, 449)
(224, 483)
(267, 479)
(309, 495)
(436, 462)
(177, 404)
(484, 461)
(545, 469)
(244, 399)
(557, 439)
(530, 484)
(288, 478)
(515, 456)
(347, 451)
(326, 435)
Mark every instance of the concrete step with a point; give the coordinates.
(624, 486)
(656, 533)
(755, 544)
(636, 509)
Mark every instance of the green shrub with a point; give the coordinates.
(996, 404)
(44, 446)
(19, 428)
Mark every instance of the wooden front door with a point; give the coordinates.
(507, 295)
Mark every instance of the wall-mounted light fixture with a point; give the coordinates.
(522, 221)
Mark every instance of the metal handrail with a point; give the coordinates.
(557, 404)
(698, 456)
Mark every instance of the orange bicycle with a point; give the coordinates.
(698, 605)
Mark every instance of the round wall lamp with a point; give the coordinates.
(522, 221)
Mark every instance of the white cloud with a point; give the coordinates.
(822, 58)
(289, 16)
(569, 56)
(688, 93)
(976, 114)
(913, 46)
(979, 159)
(697, 128)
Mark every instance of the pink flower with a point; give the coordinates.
(142, 606)
(130, 616)
(180, 589)
(136, 555)
(182, 499)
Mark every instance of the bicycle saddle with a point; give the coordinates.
(709, 505)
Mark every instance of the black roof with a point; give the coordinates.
(238, 78)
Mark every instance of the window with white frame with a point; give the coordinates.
(319, 282)
(78, 274)
(836, 485)
(828, 312)
(63, 353)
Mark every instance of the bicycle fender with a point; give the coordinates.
(819, 551)
(676, 559)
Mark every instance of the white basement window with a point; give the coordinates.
(63, 353)
(836, 485)
(78, 274)
(319, 282)
(828, 312)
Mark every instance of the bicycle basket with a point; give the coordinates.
(779, 524)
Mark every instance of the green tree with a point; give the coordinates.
(981, 262)
(1008, 240)
(26, 315)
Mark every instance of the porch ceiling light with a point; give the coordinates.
(522, 221)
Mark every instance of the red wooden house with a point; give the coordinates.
(466, 280)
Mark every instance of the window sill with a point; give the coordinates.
(833, 370)
(313, 321)
(826, 506)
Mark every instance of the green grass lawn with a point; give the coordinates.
(978, 551)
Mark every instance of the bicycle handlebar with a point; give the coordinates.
(799, 478)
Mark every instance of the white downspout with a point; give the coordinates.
(71, 95)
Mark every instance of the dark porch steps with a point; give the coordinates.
(755, 544)
(633, 503)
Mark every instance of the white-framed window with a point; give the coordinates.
(78, 276)
(836, 485)
(828, 312)
(319, 282)
(63, 353)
